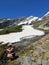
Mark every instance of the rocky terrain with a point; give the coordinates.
(31, 50)
(43, 23)
(37, 53)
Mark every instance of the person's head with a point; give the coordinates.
(9, 46)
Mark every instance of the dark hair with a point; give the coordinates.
(9, 46)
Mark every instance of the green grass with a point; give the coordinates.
(11, 30)
(47, 24)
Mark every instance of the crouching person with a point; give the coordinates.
(10, 52)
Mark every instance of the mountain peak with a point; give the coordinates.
(47, 14)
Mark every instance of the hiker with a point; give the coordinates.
(10, 52)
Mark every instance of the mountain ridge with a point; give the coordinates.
(5, 22)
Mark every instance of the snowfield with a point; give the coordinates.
(28, 30)
(28, 20)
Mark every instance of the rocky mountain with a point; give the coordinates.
(43, 22)
(15, 25)
(32, 45)
(36, 21)
(36, 53)
(29, 20)
(5, 22)
(46, 15)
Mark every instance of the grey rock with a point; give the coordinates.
(45, 62)
(39, 61)
(25, 60)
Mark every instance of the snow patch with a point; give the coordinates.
(39, 19)
(28, 20)
(28, 30)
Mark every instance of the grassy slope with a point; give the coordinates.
(11, 29)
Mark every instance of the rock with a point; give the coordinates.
(34, 63)
(33, 58)
(39, 61)
(45, 62)
(46, 55)
(34, 54)
(25, 60)
(44, 50)
(37, 52)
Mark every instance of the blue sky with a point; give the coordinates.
(20, 8)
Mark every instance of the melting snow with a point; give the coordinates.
(28, 30)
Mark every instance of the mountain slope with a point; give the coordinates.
(43, 23)
(36, 52)
(40, 23)
(5, 22)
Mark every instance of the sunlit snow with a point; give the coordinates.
(28, 30)
(28, 20)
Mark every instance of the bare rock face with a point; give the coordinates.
(38, 53)
(25, 60)
(45, 62)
